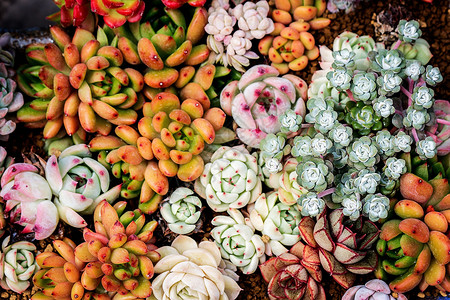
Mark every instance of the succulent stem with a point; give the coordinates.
(410, 85)
(326, 192)
(350, 95)
(307, 125)
(399, 112)
(442, 121)
(414, 133)
(397, 44)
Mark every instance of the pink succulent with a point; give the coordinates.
(258, 99)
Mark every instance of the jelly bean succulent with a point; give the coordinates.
(17, 265)
(294, 275)
(182, 211)
(116, 258)
(204, 275)
(116, 13)
(259, 98)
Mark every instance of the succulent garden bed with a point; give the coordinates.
(285, 149)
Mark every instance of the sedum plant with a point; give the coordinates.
(17, 265)
(209, 276)
(182, 211)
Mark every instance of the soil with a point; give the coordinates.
(434, 21)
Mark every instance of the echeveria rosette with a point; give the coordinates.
(385, 143)
(341, 135)
(387, 60)
(383, 107)
(320, 145)
(79, 184)
(325, 121)
(29, 198)
(394, 168)
(271, 166)
(302, 146)
(315, 106)
(366, 182)
(340, 78)
(340, 158)
(344, 59)
(363, 153)
(290, 121)
(17, 265)
(432, 75)
(402, 142)
(376, 207)
(314, 174)
(205, 273)
(345, 186)
(364, 86)
(259, 98)
(238, 243)
(389, 83)
(312, 205)
(426, 148)
(253, 19)
(352, 206)
(413, 69)
(273, 146)
(220, 24)
(416, 118)
(409, 31)
(422, 98)
(231, 179)
(181, 211)
(362, 117)
(276, 221)
(388, 186)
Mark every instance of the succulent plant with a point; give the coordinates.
(86, 87)
(252, 19)
(314, 174)
(273, 146)
(276, 221)
(422, 98)
(341, 135)
(290, 46)
(28, 198)
(352, 206)
(383, 107)
(115, 259)
(363, 153)
(416, 118)
(363, 118)
(173, 4)
(376, 207)
(17, 265)
(364, 86)
(209, 276)
(311, 204)
(335, 6)
(414, 69)
(294, 275)
(394, 168)
(74, 13)
(182, 211)
(340, 245)
(402, 142)
(426, 148)
(258, 99)
(432, 75)
(409, 31)
(375, 289)
(340, 78)
(366, 182)
(231, 180)
(79, 184)
(413, 246)
(115, 14)
(290, 121)
(238, 243)
(7, 53)
(387, 60)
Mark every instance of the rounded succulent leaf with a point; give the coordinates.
(364, 86)
(394, 168)
(432, 75)
(422, 97)
(426, 148)
(408, 31)
(376, 206)
(311, 204)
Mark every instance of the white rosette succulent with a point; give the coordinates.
(352, 206)
(181, 211)
(376, 207)
(402, 142)
(409, 31)
(311, 204)
(320, 145)
(385, 143)
(188, 270)
(367, 182)
(220, 24)
(426, 148)
(276, 221)
(416, 118)
(432, 75)
(238, 243)
(383, 107)
(302, 146)
(422, 97)
(314, 174)
(252, 19)
(413, 69)
(341, 135)
(271, 166)
(215, 4)
(285, 182)
(290, 121)
(17, 265)
(238, 53)
(394, 168)
(363, 153)
(231, 179)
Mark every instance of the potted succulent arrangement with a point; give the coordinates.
(186, 147)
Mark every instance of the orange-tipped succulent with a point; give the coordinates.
(116, 12)
(114, 262)
(78, 82)
(414, 246)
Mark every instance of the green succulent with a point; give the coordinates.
(340, 158)
(367, 182)
(273, 146)
(302, 146)
(311, 204)
(432, 75)
(389, 83)
(387, 60)
(385, 143)
(376, 207)
(344, 59)
(409, 31)
(325, 120)
(422, 97)
(340, 78)
(394, 168)
(388, 186)
(414, 69)
(402, 142)
(364, 87)
(362, 117)
(383, 107)
(320, 145)
(341, 135)
(363, 153)
(416, 118)
(426, 148)
(316, 105)
(314, 174)
(352, 207)
(345, 186)
(290, 121)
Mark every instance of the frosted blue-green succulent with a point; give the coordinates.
(385, 143)
(394, 168)
(352, 207)
(409, 31)
(343, 58)
(325, 120)
(388, 186)
(376, 207)
(432, 75)
(363, 153)
(345, 186)
(422, 97)
(315, 106)
(416, 118)
(387, 60)
(383, 107)
(320, 145)
(302, 146)
(341, 135)
(271, 166)
(389, 83)
(182, 211)
(367, 182)
(414, 69)
(340, 78)
(314, 174)
(290, 121)
(362, 117)
(273, 146)
(340, 158)
(426, 148)
(364, 86)
(402, 142)
(311, 204)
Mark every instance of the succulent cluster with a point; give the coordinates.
(290, 46)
